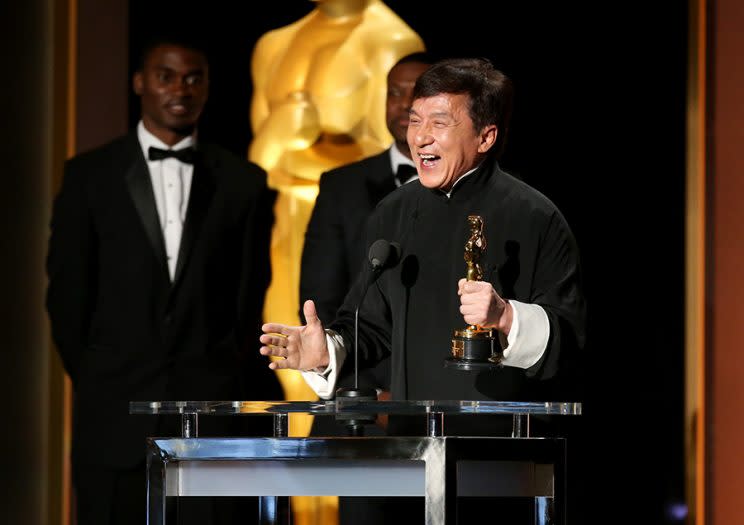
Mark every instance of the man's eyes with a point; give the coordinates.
(193, 80)
(166, 77)
(416, 121)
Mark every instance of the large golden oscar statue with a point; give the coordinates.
(318, 103)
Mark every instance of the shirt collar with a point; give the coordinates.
(147, 139)
(397, 158)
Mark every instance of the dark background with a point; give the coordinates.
(599, 127)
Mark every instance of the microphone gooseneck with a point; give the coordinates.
(382, 255)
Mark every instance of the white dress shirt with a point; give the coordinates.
(171, 185)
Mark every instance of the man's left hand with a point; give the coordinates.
(480, 305)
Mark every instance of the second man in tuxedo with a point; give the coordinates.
(333, 252)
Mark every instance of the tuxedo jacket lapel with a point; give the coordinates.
(200, 198)
(140, 189)
(380, 179)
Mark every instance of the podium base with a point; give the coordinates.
(355, 422)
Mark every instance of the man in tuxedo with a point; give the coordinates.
(158, 264)
(334, 252)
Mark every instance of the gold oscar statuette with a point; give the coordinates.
(474, 347)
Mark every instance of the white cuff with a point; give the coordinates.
(324, 383)
(528, 337)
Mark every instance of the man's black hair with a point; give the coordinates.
(490, 92)
(169, 39)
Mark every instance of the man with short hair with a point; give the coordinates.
(158, 264)
(530, 295)
(531, 291)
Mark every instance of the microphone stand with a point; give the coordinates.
(355, 422)
(381, 255)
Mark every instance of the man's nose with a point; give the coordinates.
(180, 87)
(422, 136)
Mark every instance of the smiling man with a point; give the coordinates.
(531, 290)
(158, 264)
(530, 293)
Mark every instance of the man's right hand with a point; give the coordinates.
(302, 347)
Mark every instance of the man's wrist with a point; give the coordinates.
(324, 364)
(507, 316)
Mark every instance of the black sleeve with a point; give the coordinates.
(71, 268)
(375, 320)
(558, 289)
(324, 274)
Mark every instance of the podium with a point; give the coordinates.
(438, 467)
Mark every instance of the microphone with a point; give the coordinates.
(382, 255)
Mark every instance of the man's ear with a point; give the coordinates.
(138, 83)
(487, 138)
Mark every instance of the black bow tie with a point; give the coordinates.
(405, 172)
(185, 155)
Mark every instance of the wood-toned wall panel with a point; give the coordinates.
(726, 234)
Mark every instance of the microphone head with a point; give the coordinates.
(383, 254)
(379, 253)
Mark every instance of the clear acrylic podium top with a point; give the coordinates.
(354, 411)
(340, 407)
